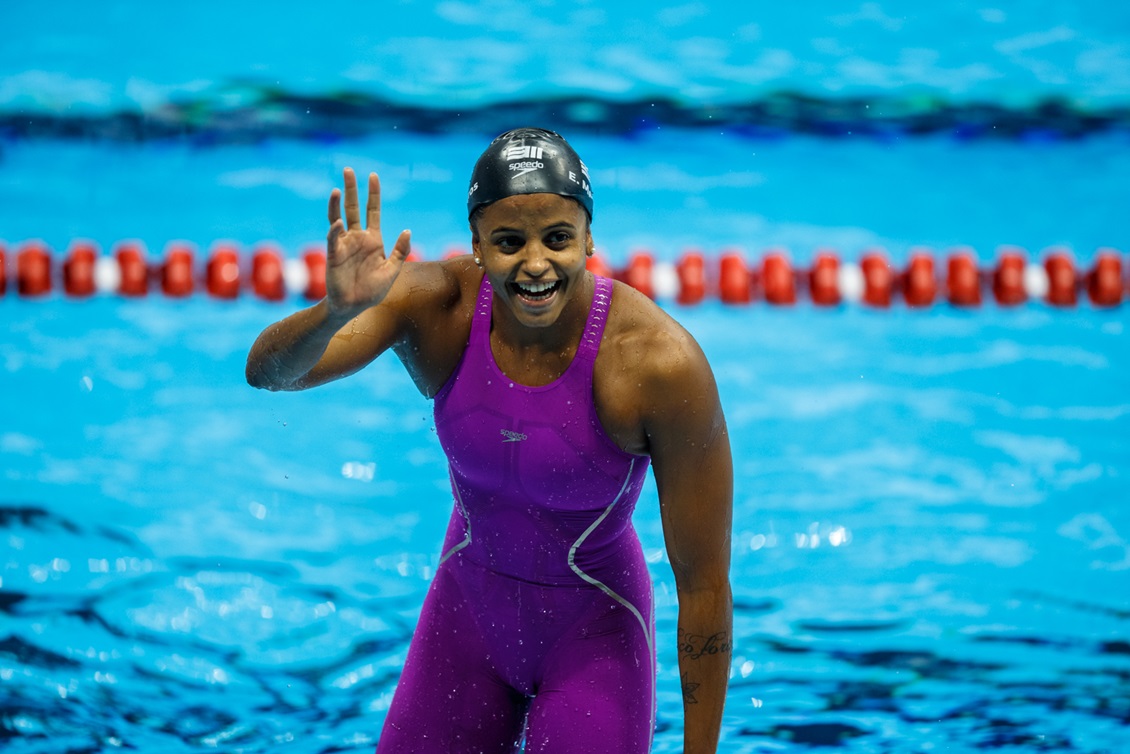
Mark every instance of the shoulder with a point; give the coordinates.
(434, 303)
(650, 342)
(431, 284)
(426, 292)
(652, 381)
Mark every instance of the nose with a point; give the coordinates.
(536, 262)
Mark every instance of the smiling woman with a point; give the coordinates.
(534, 249)
(554, 389)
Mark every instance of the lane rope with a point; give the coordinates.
(959, 279)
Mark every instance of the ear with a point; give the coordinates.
(590, 247)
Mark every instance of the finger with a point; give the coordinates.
(352, 206)
(403, 246)
(336, 229)
(334, 210)
(400, 251)
(373, 205)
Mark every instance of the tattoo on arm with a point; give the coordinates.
(693, 646)
(689, 687)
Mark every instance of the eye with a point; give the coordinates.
(559, 238)
(509, 242)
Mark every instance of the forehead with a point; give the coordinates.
(531, 211)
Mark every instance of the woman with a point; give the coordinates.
(554, 389)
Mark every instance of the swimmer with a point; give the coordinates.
(554, 391)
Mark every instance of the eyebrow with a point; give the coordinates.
(564, 225)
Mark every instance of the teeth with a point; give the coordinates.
(536, 288)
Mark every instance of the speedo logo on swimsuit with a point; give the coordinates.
(525, 167)
(512, 436)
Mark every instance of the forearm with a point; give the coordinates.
(705, 644)
(286, 351)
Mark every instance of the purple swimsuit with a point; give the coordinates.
(539, 620)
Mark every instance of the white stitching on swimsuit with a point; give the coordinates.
(458, 501)
(600, 585)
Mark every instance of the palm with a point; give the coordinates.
(359, 274)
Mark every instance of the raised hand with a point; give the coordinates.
(358, 273)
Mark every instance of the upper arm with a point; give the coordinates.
(690, 452)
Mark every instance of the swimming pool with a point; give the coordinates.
(931, 539)
(929, 542)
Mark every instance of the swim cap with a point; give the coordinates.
(529, 161)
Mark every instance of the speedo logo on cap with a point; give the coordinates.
(521, 168)
(524, 153)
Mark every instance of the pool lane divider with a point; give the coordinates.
(872, 280)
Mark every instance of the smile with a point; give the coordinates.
(536, 291)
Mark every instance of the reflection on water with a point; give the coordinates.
(930, 551)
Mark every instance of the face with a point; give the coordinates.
(533, 248)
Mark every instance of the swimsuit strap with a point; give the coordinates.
(480, 322)
(598, 316)
(594, 324)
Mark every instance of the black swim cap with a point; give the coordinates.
(529, 161)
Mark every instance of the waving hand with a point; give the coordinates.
(358, 272)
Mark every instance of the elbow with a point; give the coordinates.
(704, 580)
(257, 378)
(264, 372)
(254, 377)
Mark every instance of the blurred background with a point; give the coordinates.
(712, 124)
(931, 539)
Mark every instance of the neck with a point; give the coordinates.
(563, 335)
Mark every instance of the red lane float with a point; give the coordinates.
(78, 270)
(638, 273)
(1063, 283)
(1056, 279)
(222, 275)
(598, 266)
(134, 269)
(735, 281)
(316, 270)
(33, 270)
(177, 273)
(692, 278)
(267, 279)
(963, 281)
(824, 279)
(878, 278)
(1008, 276)
(919, 283)
(1104, 281)
(777, 280)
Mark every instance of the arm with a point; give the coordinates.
(690, 453)
(346, 330)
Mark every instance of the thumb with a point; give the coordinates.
(402, 248)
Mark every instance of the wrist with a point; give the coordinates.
(338, 316)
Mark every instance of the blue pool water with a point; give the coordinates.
(931, 536)
(930, 544)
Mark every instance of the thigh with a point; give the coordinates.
(449, 700)
(598, 692)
